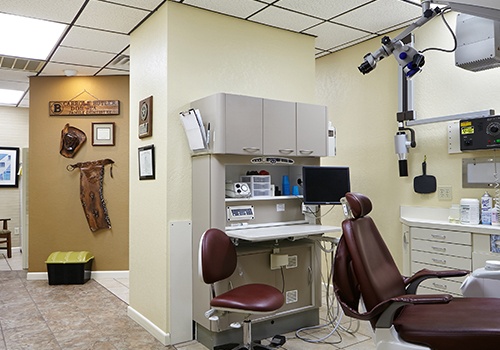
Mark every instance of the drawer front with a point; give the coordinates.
(464, 251)
(441, 235)
(415, 267)
(441, 286)
(452, 262)
(482, 243)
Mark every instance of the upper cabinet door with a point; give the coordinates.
(311, 130)
(243, 125)
(279, 128)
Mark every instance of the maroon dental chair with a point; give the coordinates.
(217, 261)
(365, 273)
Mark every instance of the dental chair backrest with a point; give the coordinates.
(363, 264)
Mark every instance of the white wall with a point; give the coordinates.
(13, 133)
(181, 54)
(363, 108)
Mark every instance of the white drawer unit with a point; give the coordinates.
(440, 250)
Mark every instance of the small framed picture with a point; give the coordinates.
(9, 166)
(146, 117)
(147, 162)
(103, 134)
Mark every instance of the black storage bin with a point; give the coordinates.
(69, 267)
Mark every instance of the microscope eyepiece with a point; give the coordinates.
(365, 67)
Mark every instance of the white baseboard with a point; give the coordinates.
(43, 276)
(156, 332)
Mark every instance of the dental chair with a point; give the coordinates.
(369, 287)
(217, 261)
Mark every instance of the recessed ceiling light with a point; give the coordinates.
(10, 97)
(28, 37)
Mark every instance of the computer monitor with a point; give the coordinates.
(325, 184)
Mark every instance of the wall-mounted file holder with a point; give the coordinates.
(195, 130)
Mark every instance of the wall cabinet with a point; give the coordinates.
(255, 126)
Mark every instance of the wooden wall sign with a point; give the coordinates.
(146, 117)
(97, 107)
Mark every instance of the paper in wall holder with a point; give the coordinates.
(195, 130)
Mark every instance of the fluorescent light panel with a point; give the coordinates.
(28, 37)
(10, 97)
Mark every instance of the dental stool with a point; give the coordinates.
(365, 273)
(217, 261)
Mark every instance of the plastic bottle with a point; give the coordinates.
(285, 185)
(469, 211)
(486, 204)
(494, 215)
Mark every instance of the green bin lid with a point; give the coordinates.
(69, 257)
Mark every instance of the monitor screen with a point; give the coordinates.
(325, 184)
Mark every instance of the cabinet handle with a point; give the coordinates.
(439, 249)
(435, 235)
(439, 261)
(286, 150)
(305, 151)
(251, 149)
(440, 286)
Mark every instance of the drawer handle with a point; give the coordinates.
(435, 235)
(251, 149)
(439, 261)
(286, 150)
(305, 151)
(438, 249)
(440, 286)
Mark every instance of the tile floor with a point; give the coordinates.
(93, 316)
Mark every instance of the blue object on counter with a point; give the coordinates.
(285, 185)
(295, 190)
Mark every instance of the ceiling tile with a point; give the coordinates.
(281, 18)
(379, 15)
(106, 71)
(142, 4)
(14, 85)
(324, 9)
(54, 10)
(15, 75)
(98, 40)
(237, 8)
(330, 35)
(81, 57)
(112, 17)
(58, 69)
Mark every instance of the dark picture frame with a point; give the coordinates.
(147, 162)
(146, 117)
(103, 134)
(9, 167)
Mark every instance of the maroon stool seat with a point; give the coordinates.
(364, 269)
(217, 257)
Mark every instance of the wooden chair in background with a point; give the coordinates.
(5, 238)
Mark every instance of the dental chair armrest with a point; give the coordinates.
(386, 319)
(414, 281)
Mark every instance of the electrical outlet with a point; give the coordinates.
(444, 193)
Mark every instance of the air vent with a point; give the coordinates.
(121, 61)
(20, 64)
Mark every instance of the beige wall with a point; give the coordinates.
(181, 54)
(57, 220)
(363, 108)
(13, 133)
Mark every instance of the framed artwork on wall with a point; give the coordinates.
(146, 117)
(103, 134)
(9, 166)
(147, 162)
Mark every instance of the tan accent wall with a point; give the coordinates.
(57, 221)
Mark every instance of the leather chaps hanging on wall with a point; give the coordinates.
(91, 193)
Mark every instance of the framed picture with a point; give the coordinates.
(9, 166)
(103, 134)
(147, 162)
(146, 117)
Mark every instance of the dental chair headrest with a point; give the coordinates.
(360, 204)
